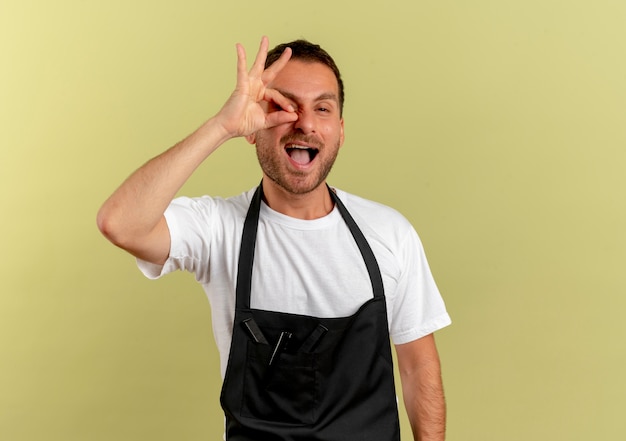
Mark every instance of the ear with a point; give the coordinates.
(341, 134)
(251, 138)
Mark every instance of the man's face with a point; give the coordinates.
(299, 155)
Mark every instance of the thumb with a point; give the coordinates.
(274, 119)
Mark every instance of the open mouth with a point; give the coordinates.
(301, 154)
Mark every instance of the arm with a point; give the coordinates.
(132, 218)
(422, 388)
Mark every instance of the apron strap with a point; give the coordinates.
(246, 252)
(366, 251)
(248, 242)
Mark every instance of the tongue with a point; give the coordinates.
(300, 156)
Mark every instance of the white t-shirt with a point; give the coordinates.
(310, 267)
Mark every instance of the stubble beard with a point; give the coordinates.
(293, 181)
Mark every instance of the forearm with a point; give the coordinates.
(426, 408)
(137, 206)
(422, 388)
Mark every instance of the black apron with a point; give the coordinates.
(293, 377)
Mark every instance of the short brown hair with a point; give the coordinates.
(310, 52)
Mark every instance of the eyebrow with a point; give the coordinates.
(324, 96)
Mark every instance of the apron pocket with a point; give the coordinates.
(285, 392)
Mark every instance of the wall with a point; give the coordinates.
(496, 127)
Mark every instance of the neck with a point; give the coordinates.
(312, 205)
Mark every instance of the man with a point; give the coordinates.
(306, 283)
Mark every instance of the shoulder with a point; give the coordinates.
(375, 216)
(210, 206)
(205, 217)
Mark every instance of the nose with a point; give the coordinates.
(305, 122)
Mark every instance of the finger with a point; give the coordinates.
(261, 56)
(270, 73)
(242, 65)
(273, 95)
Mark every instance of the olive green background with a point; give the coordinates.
(496, 127)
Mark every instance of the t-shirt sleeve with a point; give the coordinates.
(418, 308)
(190, 245)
